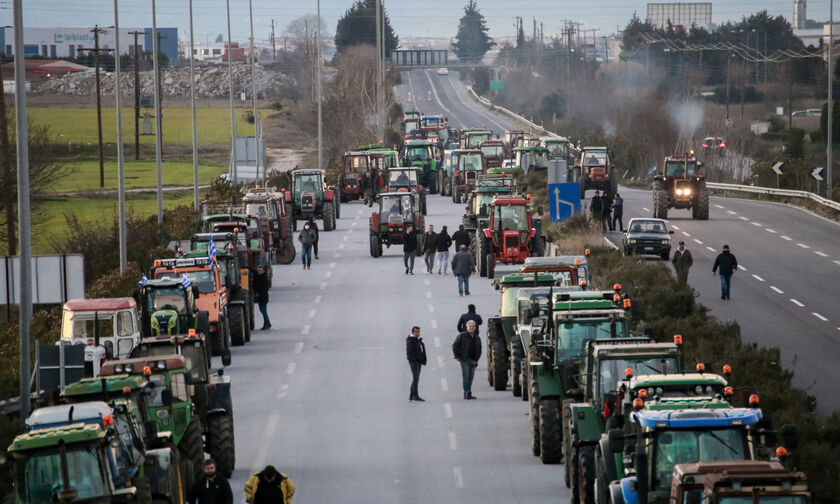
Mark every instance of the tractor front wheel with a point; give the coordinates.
(285, 252)
(660, 203)
(702, 204)
(523, 377)
(550, 438)
(187, 477)
(329, 217)
(516, 368)
(220, 435)
(456, 193)
(534, 416)
(500, 372)
(491, 262)
(375, 245)
(217, 340)
(602, 484)
(238, 324)
(191, 446)
(586, 475)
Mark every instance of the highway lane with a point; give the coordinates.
(784, 296)
(324, 395)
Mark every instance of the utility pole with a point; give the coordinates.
(136, 95)
(273, 44)
(728, 65)
(160, 87)
(790, 93)
(254, 98)
(120, 146)
(192, 106)
(232, 117)
(318, 88)
(158, 138)
(24, 224)
(6, 162)
(378, 112)
(96, 50)
(829, 144)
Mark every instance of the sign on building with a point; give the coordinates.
(679, 14)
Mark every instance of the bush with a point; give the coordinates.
(481, 80)
(277, 106)
(249, 116)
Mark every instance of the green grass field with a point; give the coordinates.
(85, 174)
(78, 125)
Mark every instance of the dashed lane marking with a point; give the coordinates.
(353, 224)
(269, 430)
(777, 290)
(312, 313)
(646, 209)
(328, 274)
(731, 212)
(742, 268)
(437, 342)
(434, 324)
(821, 254)
(440, 361)
(758, 278)
(797, 303)
(426, 281)
(431, 308)
(341, 247)
(836, 262)
(786, 238)
(323, 285)
(336, 255)
(305, 330)
(282, 391)
(743, 218)
(721, 207)
(332, 265)
(710, 248)
(459, 480)
(444, 385)
(756, 224)
(447, 409)
(819, 316)
(291, 368)
(428, 294)
(698, 241)
(453, 442)
(675, 227)
(317, 299)
(683, 232)
(298, 347)
(346, 237)
(802, 245)
(770, 230)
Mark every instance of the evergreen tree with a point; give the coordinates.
(358, 27)
(472, 41)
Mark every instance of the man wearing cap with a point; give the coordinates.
(728, 265)
(682, 262)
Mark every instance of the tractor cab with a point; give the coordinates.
(568, 270)
(472, 138)
(403, 180)
(558, 148)
(432, 123)
(510, 228)
(168, 307)
(513, 139)
(471, 164)
(113, 321)
(398, 210)
(357, 164)
(412, 115)
(308, 188)
(494, 152)
(531, 158)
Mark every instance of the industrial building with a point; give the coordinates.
(65, 42)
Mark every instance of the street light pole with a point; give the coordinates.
(24, 224)
(254, 99)
(120, 147)
(158, 139)
(318, 90)
(829, 144)
(378, 106)
(232, 117)
(192, 104)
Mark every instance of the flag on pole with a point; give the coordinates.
(186, 282)
(143, 281)
(211, 252)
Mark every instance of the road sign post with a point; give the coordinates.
(777, 170)
(817, 176)
(564, 200)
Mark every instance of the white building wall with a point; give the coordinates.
(65, 42)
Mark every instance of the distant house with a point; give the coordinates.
(39, 69)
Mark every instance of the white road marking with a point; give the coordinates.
(437, 342)
(819, 316)
(299, 346)
(453, 443)
(282, 391)
(778, 290)
(447, 409)
(786, 238)
(721, 207)
(428, 294)
(328, 274)
(646, 209)
(444, 385)
(269, 430)
(358, 211)
(426, 281)
(770, 230)
(758, 278)
(683, 232)
(743, 218)
(731, 212)
(431, 308)
(675, 227)
(341, 247)
(345, 238)
(317, 299)
(440, 361)
(353, 224)
(797, 303)
(332, 265)
(434, 324)
(312, 313)
(756, 224)
(742, 268)
(323, 285)
(836, 262)
(336, 255)
(821, 254)
(802, 245)
(305, 330)
(291, 368)
(710, 248)
(698, 241)
(459, 480)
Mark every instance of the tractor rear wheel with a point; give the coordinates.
(238, 324)
(433, 184)
(516, 368)
(702, 204)
(191, 446)
(375, 245)
(423, 202)
(660, 204)
(491, 262)
(565, 432)
(222, 446)
(489, 359)
(550, 439)
(602, 484)
(456, 193)
(613, 184)
(217, 340)
(586, 474)
(523, 378)
(187, 477)
(534, 417)
(143, 490)
(500, 363)
(337, 203)
(250, 315)
(285, 252)
(329, 217)
(480, 252)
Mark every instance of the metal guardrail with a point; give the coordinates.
(767, 191)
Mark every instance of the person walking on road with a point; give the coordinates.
(461, 237)
(726, 265)
(618, 213)
(596, 207)
(415, 351)
(429, 248)
(463, 265)
(682, 262)
(212, 488)
(261, 295)
(467, 350)
(443, 244)
(314, 227)
(409, 248)
(306, 238)
(470, 315)
(606, 212)
(367, 185)
(269, 486)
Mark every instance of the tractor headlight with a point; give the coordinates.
(659, 391)
(666, 241)
(698, 390)
(161, 365)
(687, 191)
(128, 368)
(709, 390)
(632, 240)
(679, 192)
(650, 392)
(118, 368)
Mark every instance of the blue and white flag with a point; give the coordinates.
(143, 281)
(211, 252)
(186, 282)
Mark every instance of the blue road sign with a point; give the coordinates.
(564, 200)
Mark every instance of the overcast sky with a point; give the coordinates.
(429, 18)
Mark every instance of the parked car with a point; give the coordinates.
(647, 237)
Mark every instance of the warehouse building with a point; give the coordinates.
(65, 42)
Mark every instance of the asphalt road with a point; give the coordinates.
(323, 396)
(785, 294)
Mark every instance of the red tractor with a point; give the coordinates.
(351, 179)
(511, 235)
(494, 152)
(396, 212)
(471, 164)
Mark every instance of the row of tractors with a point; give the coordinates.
(137, 427)
(621, 412)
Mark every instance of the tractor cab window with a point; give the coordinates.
(557, 150)
(511, 217)
(156, 392)
(168, 299)
(681, 169)
(482, 203)
(78, 326)
(125, 323)
(310, 183)
(355, 164)
(493, 150)
(595, 158)
(402, 178)
(417, 153)
(684, 446)
(411, 127)
(391, 205)
(612, 370)
(474, 140)
(261, 210)
(194, 354)
(573, 336)
(206, 280)
(40, 477)
(470, 162)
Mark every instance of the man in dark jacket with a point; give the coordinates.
(269, 486)
(443, 244)
(461, 237)
(367, 185)
(314, 227)
(409, 248)
(470, 315)
(467, 350)
(618, 213)
(606, 203)
(211, 488)
(429, 248)
(728, 265)
(596, 207)
(306, 238)
(415, 351)
(463, 265)
(682, 262)
(261, 295)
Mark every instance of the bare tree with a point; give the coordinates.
(302, 34)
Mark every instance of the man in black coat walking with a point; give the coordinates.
(415, 351)
(728, 265)
(470, 315)
(261, 295)
(429, 248)
(596, 207)
(314, 227)
(467, 350)
(409, 248)
(442, 256)
(211, 488)
(461, 237)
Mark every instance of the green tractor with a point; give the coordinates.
(556, 358)
(422, 154)
(501, 342)
(472, 138)
(479, 200)
(311, 197)
(70, 463)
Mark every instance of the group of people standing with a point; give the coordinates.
(435, 249)
(607, 210)
(268, 486)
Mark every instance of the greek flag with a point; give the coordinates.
(186, 282)
(211, 252)
(143, 281)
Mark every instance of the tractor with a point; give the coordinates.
(432, 124)
(680, 185)
(471, 164)
(357, 164)
(510, 237)
(310, 197)
(267, 204)
(488, 187)
(422, 154)
(568, 271)
(396, 211)
(494, 152)
(473, 137)
(531, 158)
(407, 179)
(448, 165)
(168, 308)
(594, 170)
(513, 139)
(559, 149)
(740, 481)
